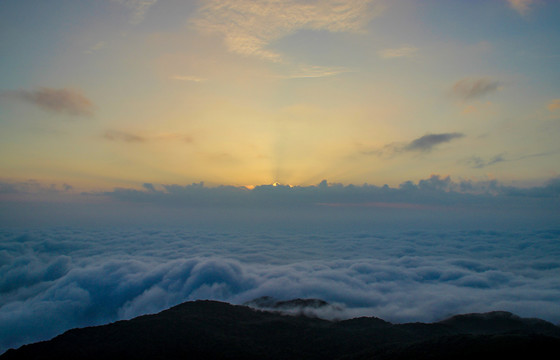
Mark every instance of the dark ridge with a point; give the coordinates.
(216, 330)
(500, 322)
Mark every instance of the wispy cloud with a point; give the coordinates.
(405, 51)
(32, 187)
(248, 26)
(115, 135)
(477, 162)
(190, 78)
(131, 137)
(423, 144)
(314, 71)
(63, 101)
(427, 142)
(138, 8)
(468, 88)
(94, 48)
(554, 105)
(521, 6)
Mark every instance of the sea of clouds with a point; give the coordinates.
(60, 278)
(418, 252)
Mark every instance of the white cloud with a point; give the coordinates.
(397, 275)
(249, 26)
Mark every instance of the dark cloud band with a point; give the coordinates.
(64, 101)
(427, 142)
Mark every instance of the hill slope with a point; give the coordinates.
(216, 330)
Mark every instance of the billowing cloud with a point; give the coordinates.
(436, 192)
(400, 52)
(469, 88)
(64, 101)
(149, 187)
(248, 26)
(89, 277)
(138, 8)
(554, 105)
(521, 6)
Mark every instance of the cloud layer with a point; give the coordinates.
(417, 252)
(57, 279)
(462, 201)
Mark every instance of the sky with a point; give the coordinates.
(98, 95)
(398, 159)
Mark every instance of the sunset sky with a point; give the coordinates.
(399, 158)
(102, 94)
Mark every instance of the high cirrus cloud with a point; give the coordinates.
(473, 88)
(405, 51)
(248, 26)
(138, 8)
(63, 101)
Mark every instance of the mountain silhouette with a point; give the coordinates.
(217, 330)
